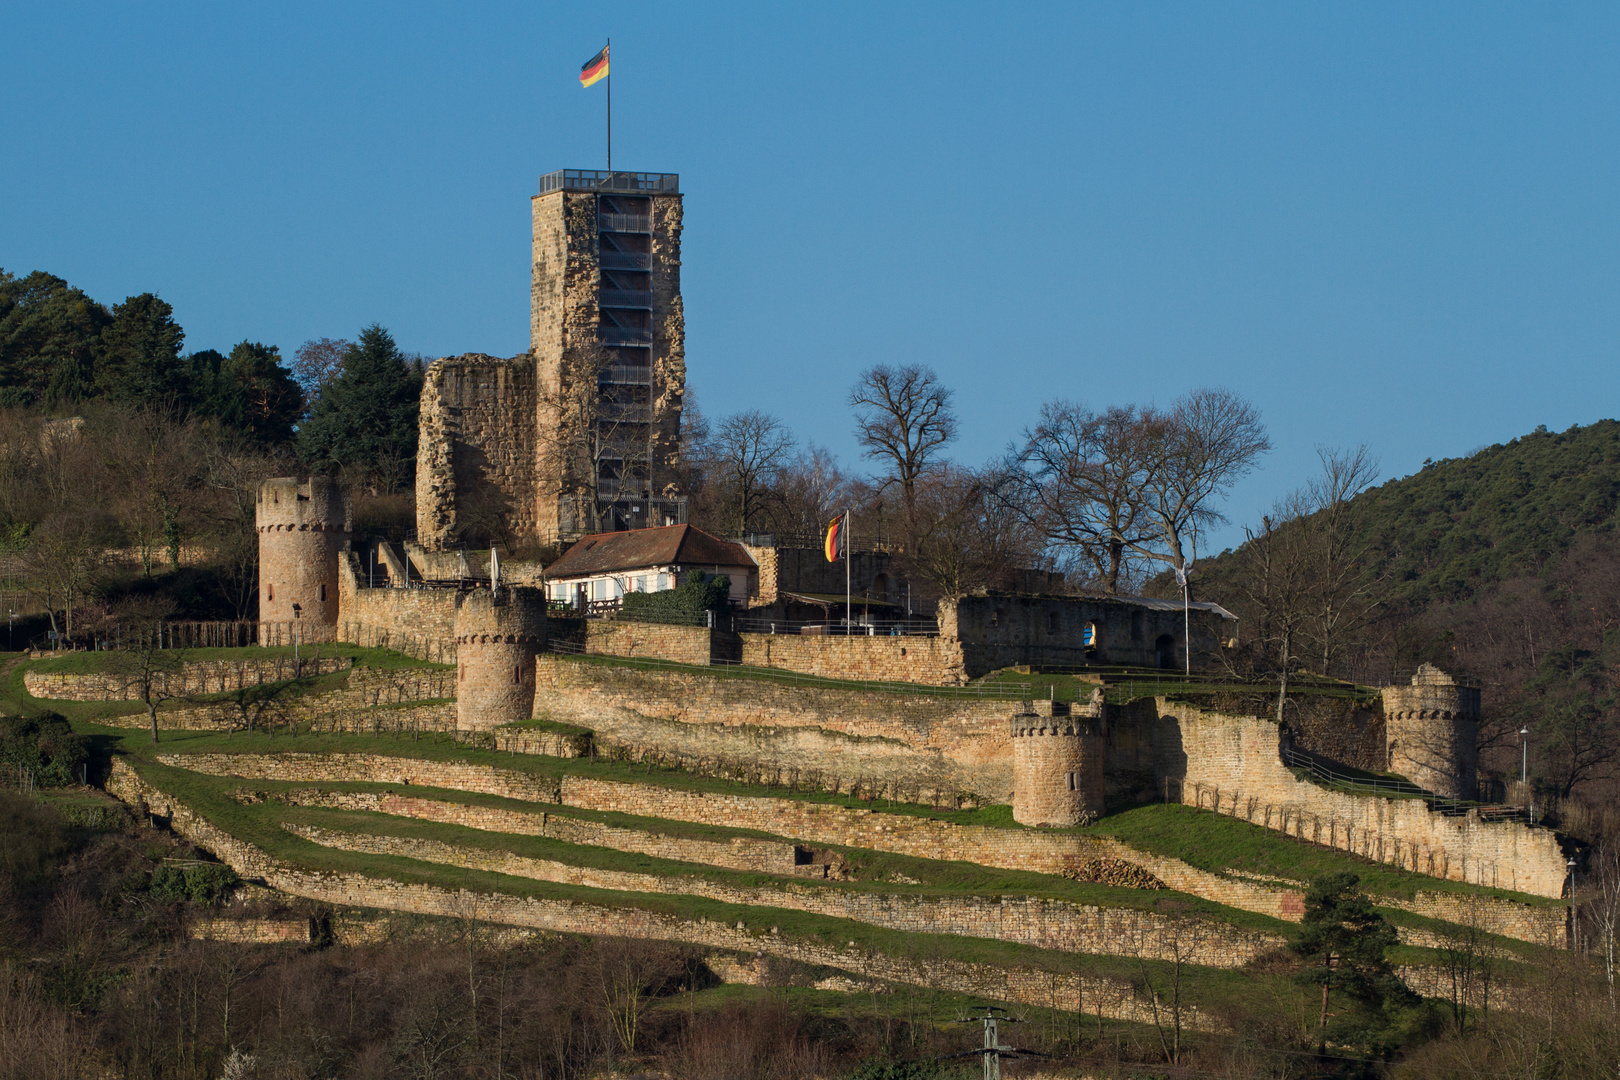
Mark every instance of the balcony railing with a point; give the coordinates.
(625, 260)
(624, 335)
(624, 222)
(598, 180)
(626, 374)
(624, 298)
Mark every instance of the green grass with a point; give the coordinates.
(1216, 842)
(385, 659)
(1209, 841)
(245, 823)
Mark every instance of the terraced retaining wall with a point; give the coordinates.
(942, 744)
(738, 853)
(1026, 985)
(1043, 923)
(1015, 849)
(191, 679)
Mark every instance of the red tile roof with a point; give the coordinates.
(636, 549)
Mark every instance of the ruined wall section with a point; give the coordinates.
(669, 342)
(417, 622)
(476, 448)
(998, 630)
(562, 337)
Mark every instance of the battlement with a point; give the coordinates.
(292, 505)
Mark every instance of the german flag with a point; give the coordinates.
(836, 543)
(595, 69)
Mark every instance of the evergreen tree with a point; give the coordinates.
(1342, 939)
(364, 421)
(49, 334)
(140, 360)
(267, 400)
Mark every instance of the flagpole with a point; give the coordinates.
(609, 81)
(848, 611)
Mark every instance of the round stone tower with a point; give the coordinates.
(497, 637)
(1431, 731)
(302, 528)
(1057, 769)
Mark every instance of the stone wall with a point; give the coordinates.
(476, 449)
(1057, 769)
(1001, 630)
(942, 743)
(1043, 923)
(825, 823)
(1232, 765)
(192, 678)
(1432, 728)
(931, 661)
(1016, 983)
(679, 644)
(738, 853)
(417, 622)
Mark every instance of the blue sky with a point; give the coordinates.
(1389, 223)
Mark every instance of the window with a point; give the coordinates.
(641, 583)
(463, 677)
(1054, 622)
(1073, 782)
(663, 582)
(269, 592)
(517, 675)
(323, 594)
(1088, 636)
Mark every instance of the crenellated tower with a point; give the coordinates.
(1431, 733)
(1058, 767)
(302, 526)
(498, 634)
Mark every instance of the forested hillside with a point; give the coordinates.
(1503, 566)
(1503, 512)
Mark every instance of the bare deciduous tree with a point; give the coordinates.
(903, 415)
(748, 451)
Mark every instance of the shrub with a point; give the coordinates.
(44, 746)
(203, 884)
(700, 592)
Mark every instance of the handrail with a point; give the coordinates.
(1378, 786)
(623, 222)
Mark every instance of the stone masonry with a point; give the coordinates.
(1432, 728)
(303, 526)
(498, 635)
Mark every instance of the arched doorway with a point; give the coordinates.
(1164, 650)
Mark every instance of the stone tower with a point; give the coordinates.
(302, 526)
(1431, 730)
(608, 334)
(498, 635)
(1058, 768)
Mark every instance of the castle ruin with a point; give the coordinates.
(581, 434)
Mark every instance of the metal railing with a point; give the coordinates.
(634, 375)
(623, 222)
(601, 180)
(624, 298)
(871, 627)
(1002, 691)
(624, 335)
(625, 260)
(1405, 789)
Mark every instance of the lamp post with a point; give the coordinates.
(1574, 912)
(298, 613)
(1524, 760)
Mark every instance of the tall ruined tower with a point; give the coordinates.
(1431, 730)
(302, 527)
(608, 335)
